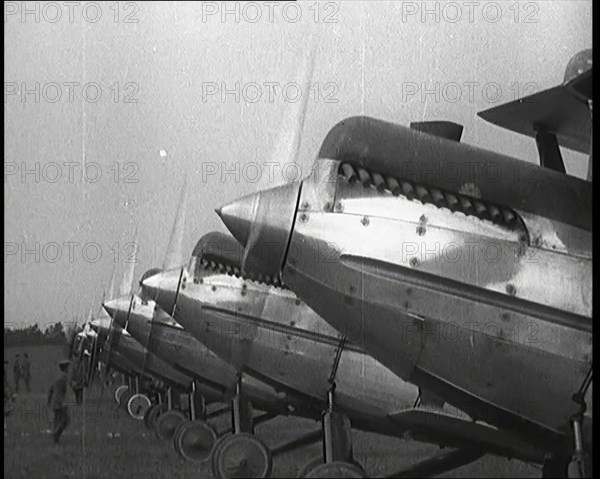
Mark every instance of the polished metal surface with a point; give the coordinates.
(265, 248)
(164, 340)
(448, 297)
(169, 341)
(124, 344)
(267, 330)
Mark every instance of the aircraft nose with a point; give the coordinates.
(139, 325)
(100, 326)
(239, 215)
(162, 288)
(118, 309)
(262, 223)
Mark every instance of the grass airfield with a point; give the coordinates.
(102, 441)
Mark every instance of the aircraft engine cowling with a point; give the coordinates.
(148, 274)
(438, 163)
(220, 248)
(263, 228)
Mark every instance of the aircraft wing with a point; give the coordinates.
(561, 110)
(450, 430)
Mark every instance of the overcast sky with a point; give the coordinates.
(161, 113)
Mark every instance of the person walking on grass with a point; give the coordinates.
(9, 397)
(56, 399)
(17, 371)
(26, 371)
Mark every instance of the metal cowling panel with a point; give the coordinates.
(391, 149)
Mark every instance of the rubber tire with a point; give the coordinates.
(167, 423)
(153, 414)
(178, 431)
(237, 440)
(215, 449)
(201, 432)
(337, 469)
(125, 397)
(309, 465)
(119, 391)
(147, 414)
(145, 400)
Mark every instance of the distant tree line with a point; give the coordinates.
(33, 335)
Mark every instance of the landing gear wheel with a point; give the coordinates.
(147, 415)
(310, 465)
(176, 434)
(242, 455)
(337, 469)
(195, 441)
(120, 390)
(215, 450)
(154, 413)
(137, 406)
(125, 397)
(167, 423)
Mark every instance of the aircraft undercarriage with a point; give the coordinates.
(237, 452)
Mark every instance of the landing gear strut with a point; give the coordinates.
(195, 439)
(241, 454)
(168, 421)
(557, 465)
(338, 459)
(337, 445)
(579, 467)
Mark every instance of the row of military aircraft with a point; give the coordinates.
(315, 307)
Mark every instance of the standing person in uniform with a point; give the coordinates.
(9, 397)
(56, 399)
(26, 371)
(17, 371)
